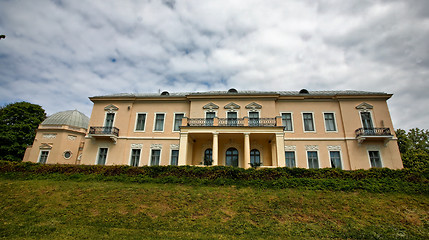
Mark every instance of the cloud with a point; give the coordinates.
(58, 53)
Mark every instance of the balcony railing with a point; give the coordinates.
(231, 122)
(106, 131)
(361, 132)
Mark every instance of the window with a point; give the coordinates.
(366, 120)
(287, 121)
(290, 159)
(135, 157)
(102, 156)
(374, 158)
(159, 122)
(174, 157)
(255, 158)
(330, 122)
(67, 154)
(155, 156)
(208, 157)
(108, 123)
(313, 161)
(209, 118)
(178, 121)
(141, 121)
(335, 159)
(43, 156)
(232, 157)
(231, 118)
(308, 122)
(253, 118)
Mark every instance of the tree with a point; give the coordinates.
(18, 122)
(414, 148)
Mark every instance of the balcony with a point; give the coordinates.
(383, 134)
(104, 132)
(231, 122)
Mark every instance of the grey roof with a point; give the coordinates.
(72, 118)
(281, 93)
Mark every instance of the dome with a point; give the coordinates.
(71, 118)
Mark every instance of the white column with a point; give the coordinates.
(247, 150)
(280, 146)
(183, 149)
(273, 153)
(215, 150)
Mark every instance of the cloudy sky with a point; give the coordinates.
(58, 53)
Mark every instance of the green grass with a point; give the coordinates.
(68, 209)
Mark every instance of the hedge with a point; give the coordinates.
(374, 180)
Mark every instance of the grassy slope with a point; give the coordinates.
(48, 209)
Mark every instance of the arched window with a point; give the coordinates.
(231, 157)
(208, 160)
(255, 158)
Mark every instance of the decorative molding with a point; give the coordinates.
(256, 145)
(156, 146)
(111, 108)
(49, 136)
(210, 106)
(174, 146)
(373, 148)
(136, 146)
(253, 106)
(364, 106)
(71, 137)
(334, 148)
(290, 148)
(232, 106)
(46, 146)
(311, 147)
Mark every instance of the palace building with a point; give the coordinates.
(306, 129)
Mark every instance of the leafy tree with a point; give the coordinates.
(414, 148)
(18, 122)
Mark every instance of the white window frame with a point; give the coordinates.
(232, 110)
(131, 155)
(171, 154)
(369, 157)
(371, 115)
(98, 155)
(210, 111)
(291, 118)
(154, 121)
(341, 158)
(296, 157)
(105, 118)
(318, 158)
(40, 154)
(252, 111)
(174, 120)
(145, 122)
(150, 157)
(303, 122)
(335, 122)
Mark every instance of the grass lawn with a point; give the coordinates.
(54, 209)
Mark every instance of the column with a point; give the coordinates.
(183, 149)
(247, 150)
(280, 146)
(215, 149)
(273, 153)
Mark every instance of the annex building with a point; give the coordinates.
(307, 129)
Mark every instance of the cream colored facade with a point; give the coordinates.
(321, 129)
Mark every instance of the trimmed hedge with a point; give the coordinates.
(374, 180)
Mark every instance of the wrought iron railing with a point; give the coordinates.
(373, 132)
(231, 122)
(104, 131)
(262, 122)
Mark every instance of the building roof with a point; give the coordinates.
(223, 93)
(72, 118)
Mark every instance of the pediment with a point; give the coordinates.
(364, 106)
(210, 106)
(253, 106)
(232, 106)
(111, 108)
(45, 146)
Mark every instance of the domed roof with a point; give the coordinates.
(71, 118)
